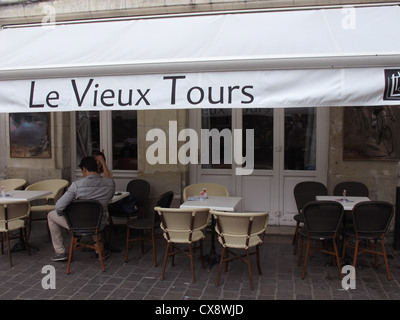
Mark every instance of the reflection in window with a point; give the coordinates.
(124, 140)
(300, 138)
(262, 122)
(87, 134)
(219, 119)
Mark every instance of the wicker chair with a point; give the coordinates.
(213, 189)
(13, 216)
(305, 192)
(183, 227)
(322, 221)
(371, 220)
(240, 231)
(84, 218)
(146, 226)
(13, 184)
(39, 212)
(353, 188)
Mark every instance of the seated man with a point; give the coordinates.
(91, 187)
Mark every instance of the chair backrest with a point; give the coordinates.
(140, 189)
(239, 229)
(15, 211)
(372, 217)
(353, 188)
(323, 217)
(164, 201)
(213, 189)
(179, 224)
(306, 191)
(56, 186)
(13, 184)
(84, 216)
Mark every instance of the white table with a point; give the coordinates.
(119, 195)
(216, 203)
(347, 202)
(23, 195)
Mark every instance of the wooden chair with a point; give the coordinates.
(147, 225)
(371, 220)
(183, 227)
(13, 216)
(13, 184)
(305, 192)
(239, 230)
(322, 220)
(84, 219)
(213, 189)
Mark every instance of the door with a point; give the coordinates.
(288, 146)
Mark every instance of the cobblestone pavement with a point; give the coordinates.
(140, 280)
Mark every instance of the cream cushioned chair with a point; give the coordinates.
(180, 227)
(13, 184)
(47, 204)
(13, 217)
(240, 230)
(213, 189)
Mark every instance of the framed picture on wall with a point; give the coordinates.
(30, 135)
(371, 133)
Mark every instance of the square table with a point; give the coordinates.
(23, 195)
(347, 202)
(217, 203)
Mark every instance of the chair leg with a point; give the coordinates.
(127, 244)
(26, 241)
(153, 240)
(203, 264)
(221, 261)
(8, 249)
(258, 259)
(100, 250)
(303, 275)
(301, 250)
(339, 265)
(192, 262)
(165, 261)
(355, 253)
(386, 260)
(71, 249)
(249, 267)
(296, 238)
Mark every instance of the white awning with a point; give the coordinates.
(321, 57)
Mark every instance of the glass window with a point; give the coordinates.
(219, 119)
(124, 140)
(87, 134)
(262, 122)
(300, 138)
(123, 132)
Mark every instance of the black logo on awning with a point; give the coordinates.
(392, 84)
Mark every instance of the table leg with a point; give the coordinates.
(212, 257)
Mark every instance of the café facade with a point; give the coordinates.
(254, 95)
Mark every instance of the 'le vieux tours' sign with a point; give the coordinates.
(236, 89)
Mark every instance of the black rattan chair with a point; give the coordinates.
(146, 225)
(305, 192)
(322, 220)
(371, 220)
(84, 219)
(353, 188)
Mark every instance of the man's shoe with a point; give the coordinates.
(60, 257)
